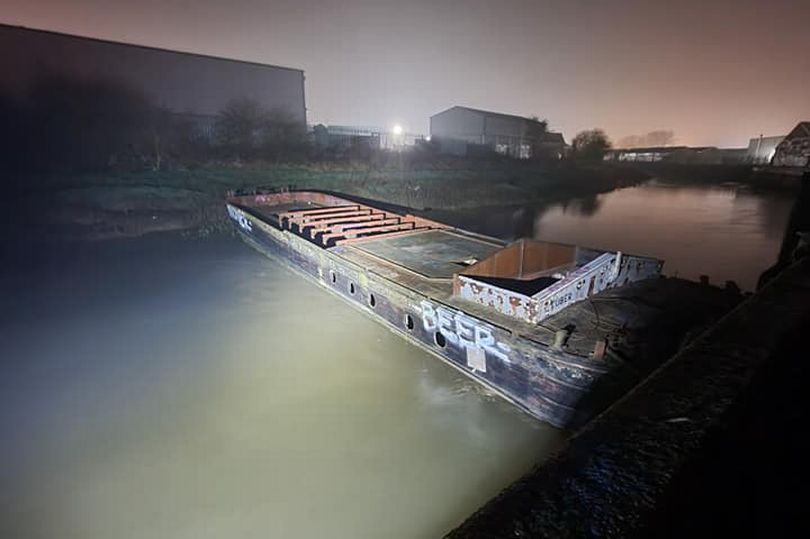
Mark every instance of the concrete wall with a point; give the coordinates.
(184, 83)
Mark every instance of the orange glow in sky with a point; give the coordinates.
(716, 73)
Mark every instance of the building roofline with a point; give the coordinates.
(487, 112)
(801, 125)
(147, 47)
(766, 137)
(658, 148)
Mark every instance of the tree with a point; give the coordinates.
(240, 124)
(538, 125)
(537, 135)
(662, 137)
(281, 136)
(251, 130)
(590, 145)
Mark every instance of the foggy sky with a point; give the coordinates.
(717, 73)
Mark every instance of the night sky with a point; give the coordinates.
(717, 73)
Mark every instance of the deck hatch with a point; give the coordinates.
(434, 253)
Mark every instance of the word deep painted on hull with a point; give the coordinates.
(505, 315)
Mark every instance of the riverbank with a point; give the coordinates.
(710, 432)
(758, 178)
(128, 204)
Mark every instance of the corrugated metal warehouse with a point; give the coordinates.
(181, 82)
(516, 136)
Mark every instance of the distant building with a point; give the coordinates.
(193, 85)
(794, 150)
(343, 137)
(458, 129)
(762, 149)
(682, 155)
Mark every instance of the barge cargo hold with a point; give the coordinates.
(558, 330)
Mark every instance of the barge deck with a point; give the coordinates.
(559, 331)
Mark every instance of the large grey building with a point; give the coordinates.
(184, 83)
(457, 128)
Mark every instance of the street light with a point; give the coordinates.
(397, 130)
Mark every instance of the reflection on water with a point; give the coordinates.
(727, 233)
(165, 389)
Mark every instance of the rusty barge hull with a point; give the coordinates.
(408, 273)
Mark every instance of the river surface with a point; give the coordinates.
(725, 232)
(173, 388)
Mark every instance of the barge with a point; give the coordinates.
(558, 330)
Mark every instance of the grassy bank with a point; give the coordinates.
(115, 203)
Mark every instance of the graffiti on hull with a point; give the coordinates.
(240, 218)
(465, 332)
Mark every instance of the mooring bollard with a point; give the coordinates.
(560, 338)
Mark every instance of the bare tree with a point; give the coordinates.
(662, 137)
(253, 131)
(590, 145)
(240, 123)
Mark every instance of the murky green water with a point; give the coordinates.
(161, 388)
(168, 388)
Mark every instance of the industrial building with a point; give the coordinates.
(682, 155)
(762, 149)
(458, 130)
(794, 150)
(194, 85)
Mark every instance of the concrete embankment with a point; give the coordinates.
(711, 444)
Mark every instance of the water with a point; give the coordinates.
(726, 232)
(170, 388)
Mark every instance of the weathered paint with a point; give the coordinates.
(605, 271)
(505, 301)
